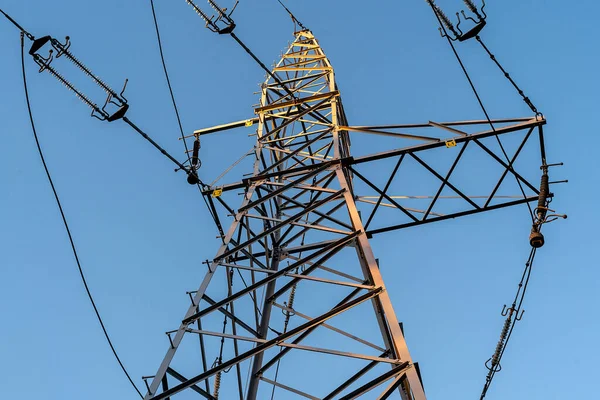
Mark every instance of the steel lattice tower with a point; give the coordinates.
(294, 299)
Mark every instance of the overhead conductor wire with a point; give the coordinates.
(513, 312)
(62, 214)
(436, 11)
(512, 318)
(209, 203)
(296, 21)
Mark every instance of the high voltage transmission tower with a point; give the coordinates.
(294, 299)
(293, 304)
(295, 276)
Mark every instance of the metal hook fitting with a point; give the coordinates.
(61, 48)
(493, 368)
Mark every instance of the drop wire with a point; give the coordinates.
(64, 219)
(211, 208)
(519, 298)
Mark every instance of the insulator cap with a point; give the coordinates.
(193, 179)
(536, 239)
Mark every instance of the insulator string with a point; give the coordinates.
(471, 6)
(64, 51)
(200, 12)
(45, 66)
(513, 315)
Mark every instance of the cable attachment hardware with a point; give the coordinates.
(294, 19)
(493, 364)
(513, 315)
(509, 311)
(218, 376)
(223, 23)
(112, 97)
(195, 162)
(193, 178)
(63, 49)
(145, 379)
(443, 20)
(542, 216)
(217, 385)
(473, 8)
(44, 64)
(479, 21)
(15, 23)
(290, 312)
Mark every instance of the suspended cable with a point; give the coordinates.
(209, 203)
(262, 65)
(164, 64)
(195, 162)
(445, 22)
(64, 219)
(296, 21)
(515, 312)
(526, 99)
(513, 315)
(156, 145)
(232, 166)
(23, 31)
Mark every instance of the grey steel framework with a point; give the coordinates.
(294, 300)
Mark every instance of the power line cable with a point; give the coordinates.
(296, 21)
(64, 219)
(526, 98)
(29, 35)
(512, 318)
(164, 64)
(209, 203)
(513, 312)
(437, 12)
(156, 145)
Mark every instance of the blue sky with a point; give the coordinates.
(141, 231)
